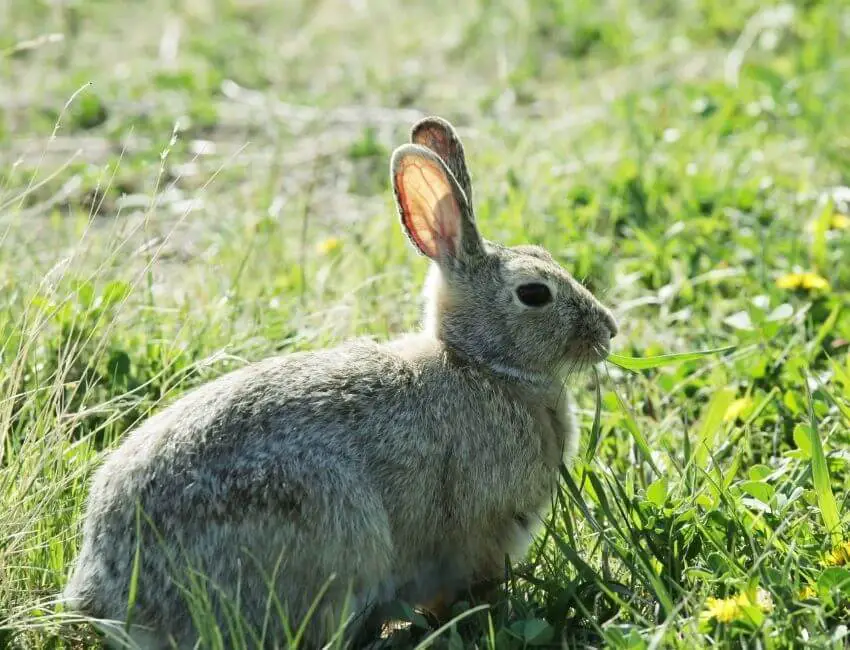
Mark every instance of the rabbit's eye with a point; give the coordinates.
(534, 294)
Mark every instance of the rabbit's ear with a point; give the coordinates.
(441, 138)
(432, 206)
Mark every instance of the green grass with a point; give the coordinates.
(188, 186)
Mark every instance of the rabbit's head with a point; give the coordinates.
(513, 309)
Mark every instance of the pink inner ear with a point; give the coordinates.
(430, 212)
(413, 222)
(446, 219)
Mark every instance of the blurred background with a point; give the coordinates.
(590, 117)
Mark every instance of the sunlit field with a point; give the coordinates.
(188, 187)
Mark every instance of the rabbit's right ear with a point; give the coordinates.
(440, 137)
(432, 206)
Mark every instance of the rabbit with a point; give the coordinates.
(316, 487)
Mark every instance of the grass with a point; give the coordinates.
(188, 186)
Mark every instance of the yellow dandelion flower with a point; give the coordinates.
(814, 281)
(807, 280)
(734, 410)
(788, 281)
(329, 246)
(808, 593)
(838, 556)
(840, 222)
(723, 610)
(726, 610)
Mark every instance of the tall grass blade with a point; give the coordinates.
(595, 430)
(637, 435)
(711, 424)
(134, 576)
(645, 363)
(820, 476)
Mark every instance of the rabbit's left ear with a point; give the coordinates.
(440, 137)
(432, 206)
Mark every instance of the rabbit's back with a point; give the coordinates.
(400, 416)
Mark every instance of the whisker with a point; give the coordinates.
(567, 374)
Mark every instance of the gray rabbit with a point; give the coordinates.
(319, 486)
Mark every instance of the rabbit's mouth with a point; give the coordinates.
(597, 351)
(601, 351)
(584, 353)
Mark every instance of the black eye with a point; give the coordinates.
(534, 294)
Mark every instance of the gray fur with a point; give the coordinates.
(406, 470)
